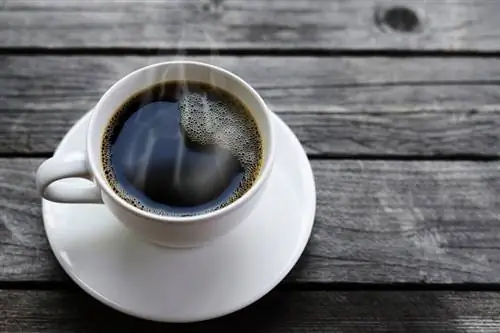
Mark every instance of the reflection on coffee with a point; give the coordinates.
(181, 148)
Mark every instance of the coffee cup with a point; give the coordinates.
(161, 229)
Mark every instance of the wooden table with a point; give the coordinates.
(396, 103)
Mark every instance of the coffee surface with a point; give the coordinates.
(181, 148)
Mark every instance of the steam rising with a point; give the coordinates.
(204, 120)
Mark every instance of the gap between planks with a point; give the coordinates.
(276, 52)
(68, 284)
(333, 157)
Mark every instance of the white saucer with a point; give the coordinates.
(182, 285)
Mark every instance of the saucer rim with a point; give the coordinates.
(293, 258)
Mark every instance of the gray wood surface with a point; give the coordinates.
(430, 224)
(306, 311)
(376, 222)
(262, 24)
(341, 105)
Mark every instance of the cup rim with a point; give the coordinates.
(94, 160)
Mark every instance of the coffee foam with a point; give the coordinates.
(224, 122)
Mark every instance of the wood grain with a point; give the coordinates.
(336, 106)
(310, 311)
(376, 222)
(261, 24)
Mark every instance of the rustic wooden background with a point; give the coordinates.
(396, 103)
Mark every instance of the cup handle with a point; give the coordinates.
(72, 165)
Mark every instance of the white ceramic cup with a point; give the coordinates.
(164, 230)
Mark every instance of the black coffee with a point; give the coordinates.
(181, 148)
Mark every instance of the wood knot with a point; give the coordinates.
(397, 18)
(212, 5)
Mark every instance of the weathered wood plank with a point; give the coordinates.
(309, 311)
(261, 24)
(376, 221)
(345, 105)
